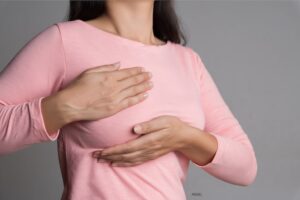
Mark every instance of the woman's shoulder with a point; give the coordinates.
(68, 28)
(187, 52)
(53, 33)
(67, 24)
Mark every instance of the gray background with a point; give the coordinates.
(252, 50)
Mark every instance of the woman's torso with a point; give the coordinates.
(175, 92)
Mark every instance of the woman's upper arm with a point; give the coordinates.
(36, 71)
(235, 154)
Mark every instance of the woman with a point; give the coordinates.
(81, 82)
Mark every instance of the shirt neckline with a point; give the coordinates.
(123, 40)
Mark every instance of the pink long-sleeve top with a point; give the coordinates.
(182, 87)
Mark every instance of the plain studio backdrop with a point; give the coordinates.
(252, 50)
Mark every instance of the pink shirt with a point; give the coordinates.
(182, 87)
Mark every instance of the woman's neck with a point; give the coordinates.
(130, 19)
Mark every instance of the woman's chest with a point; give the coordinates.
(175, 92)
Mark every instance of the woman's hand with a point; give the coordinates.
(102, 91)
(166, 135)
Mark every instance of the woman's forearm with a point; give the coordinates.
(199, 146)
(230, 159)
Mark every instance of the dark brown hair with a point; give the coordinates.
(166, 24)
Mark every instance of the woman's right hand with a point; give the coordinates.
(102, 91)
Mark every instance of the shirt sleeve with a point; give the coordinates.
(35, 72)
(235, 160)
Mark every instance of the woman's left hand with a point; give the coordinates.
(166, 135)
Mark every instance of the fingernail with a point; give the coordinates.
(137, 128)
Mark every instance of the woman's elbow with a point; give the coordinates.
(250, 173)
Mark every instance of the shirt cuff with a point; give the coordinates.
(218, 157)
(40, 123)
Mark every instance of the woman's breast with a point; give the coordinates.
(174, 93)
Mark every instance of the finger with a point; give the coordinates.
(135, 90)
(154, 124)
(130, 101)
(139, 159)
(145, 144)
(136, 157)
(124, 164)
(103, 68)
(134, 80)
(133, 145)
(125, 157)
(127, 72)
